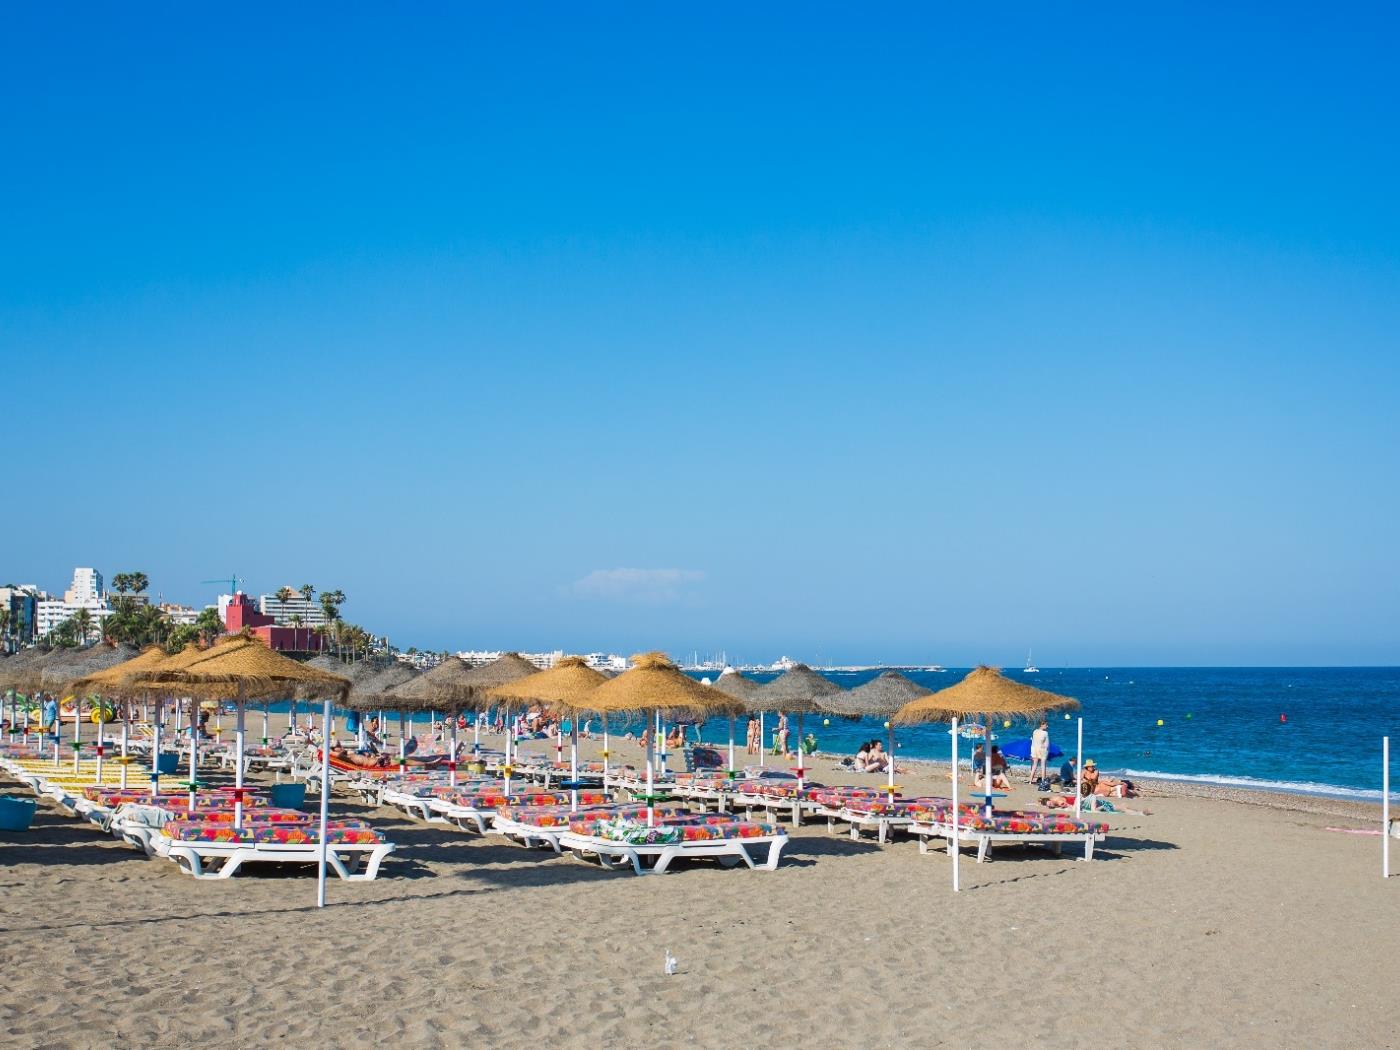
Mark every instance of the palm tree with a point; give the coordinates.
(82, 624)
(283, 596)
(139, 582)
(296, 621)
(209, 625)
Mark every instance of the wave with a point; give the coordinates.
(1292, 787)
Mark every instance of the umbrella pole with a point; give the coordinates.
(660, 744)
(801, 770)
(605, 752)
(194, 752)
(292, 718)
(762, 741)
(573, 762)
(731, 744)
(889, 732)
(265, 718)
(953, 842)
(452, 759)
(238, 730)
(651, 801)
(325, 809)
(987, 763)
(510, 734)
(1079, 768)
(100, 738)
(476, 735)
(559, 744)
(1385, 807)
(126, 732)
(403, 743)
(155, 750)
(77, 730)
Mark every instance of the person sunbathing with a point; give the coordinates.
(354, 758)
(1000, 782)
(1092, 783)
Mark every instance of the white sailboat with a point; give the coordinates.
(1030, 668)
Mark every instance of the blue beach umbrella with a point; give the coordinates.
(1021, 749)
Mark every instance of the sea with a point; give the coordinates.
(1309, 730)
(1313, 730)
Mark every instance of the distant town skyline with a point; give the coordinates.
(839, 346)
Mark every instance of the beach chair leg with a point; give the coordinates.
(636, 860)
(775, 850)
(984, 845)
(923, 843)
(1088, 847)
(881, 832)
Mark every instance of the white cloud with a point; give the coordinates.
(643, 586)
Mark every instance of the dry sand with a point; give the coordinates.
(1210, 922)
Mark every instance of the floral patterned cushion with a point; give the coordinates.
(116, 796)
(562, 816)
(342, 832)
(694, 828)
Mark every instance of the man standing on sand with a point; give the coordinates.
(1040, 751)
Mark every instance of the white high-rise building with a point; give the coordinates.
(86, 588)
(310, 612)
(85, 592)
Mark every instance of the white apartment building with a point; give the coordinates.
(544, 661)
(49, 613)
(310, 612)
(85, 592)
(86, 588)
(181, 615)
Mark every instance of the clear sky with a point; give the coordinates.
(845, 333)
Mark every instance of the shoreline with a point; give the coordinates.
(1359, 810)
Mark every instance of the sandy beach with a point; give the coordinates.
(1213, 921)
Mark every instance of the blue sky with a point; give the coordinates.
(851, 335)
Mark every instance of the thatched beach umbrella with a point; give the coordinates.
(733, 684)
(985, 693)
(245, 666)
(800, 690)
(67, 665)
(107, 682)
(565, 684)
(655, 684)
(22, 670)
(880, 698)
(505, 669)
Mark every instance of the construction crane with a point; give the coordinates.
(232, 581)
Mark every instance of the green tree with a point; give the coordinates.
(180, 636)
(82, 625)
(209, 625)
(307, 591)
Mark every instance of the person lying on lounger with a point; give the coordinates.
(353, 758)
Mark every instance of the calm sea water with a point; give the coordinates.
(1314, 730)
(1222, 725)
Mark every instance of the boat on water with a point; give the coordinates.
(1030, 668)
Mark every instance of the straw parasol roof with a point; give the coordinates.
(377, 689)
(984, 693)
(244, 664)
(731, 683)
(565, 684)
(444, 687)
(22, 671)
(60, 672)
(655, 683)
(880, 697)
(797, 690)
(112, 677)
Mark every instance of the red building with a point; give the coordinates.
(243, 614)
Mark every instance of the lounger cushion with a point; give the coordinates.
(338, 832)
